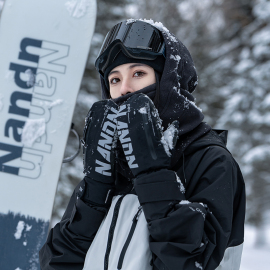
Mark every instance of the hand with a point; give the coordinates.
(146, 146)
(99, 131)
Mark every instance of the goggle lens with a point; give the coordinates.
(138, 39)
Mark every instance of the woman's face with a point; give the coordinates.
(129, 78)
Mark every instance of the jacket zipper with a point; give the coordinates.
(131, 232)
(111, 231)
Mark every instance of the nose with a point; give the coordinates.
(126, 87)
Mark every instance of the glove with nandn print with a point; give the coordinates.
(146, 146)
(99, 132)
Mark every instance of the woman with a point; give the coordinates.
(161, 190)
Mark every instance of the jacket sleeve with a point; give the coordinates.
(70, 239)
(193, 230)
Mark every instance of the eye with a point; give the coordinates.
(139, 74)
(114, 80)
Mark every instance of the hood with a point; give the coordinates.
(176, 102)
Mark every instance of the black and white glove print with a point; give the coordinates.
(99, 132)
(146, 146)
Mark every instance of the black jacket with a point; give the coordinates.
(194, 230)
(181, 234)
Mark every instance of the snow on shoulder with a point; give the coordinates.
(175, 57)
(168, 138)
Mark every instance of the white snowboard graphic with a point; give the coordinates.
(44, 47)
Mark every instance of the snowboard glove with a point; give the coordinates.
(99, 131)
(146, 146)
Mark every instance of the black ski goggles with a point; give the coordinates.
(138, 40)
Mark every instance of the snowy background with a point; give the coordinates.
(230, 44)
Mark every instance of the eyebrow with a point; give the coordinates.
(130, 67)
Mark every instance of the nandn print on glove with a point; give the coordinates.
(124, 137)
(99, 131)
(140, 133)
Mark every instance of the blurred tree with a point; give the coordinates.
(247, 109)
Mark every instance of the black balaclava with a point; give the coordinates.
(176, 102)
(121, 58)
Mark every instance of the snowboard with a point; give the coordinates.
(44, 47)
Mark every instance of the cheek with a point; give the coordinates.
(152, 79)
(114, 93)
(148, 80)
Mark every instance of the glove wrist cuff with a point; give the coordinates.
(159, 185)
(97, 193)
